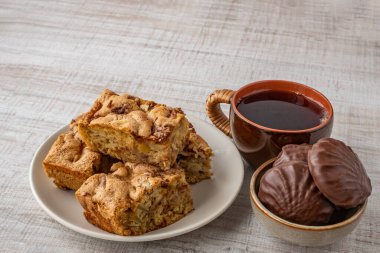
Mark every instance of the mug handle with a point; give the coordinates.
(214, 112)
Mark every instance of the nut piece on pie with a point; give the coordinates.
(135, 198)
(69, 162)
(195, 159)
(134, 130)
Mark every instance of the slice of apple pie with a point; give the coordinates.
(134, 130)
(195, 159)
(135, 198)
(69, 162)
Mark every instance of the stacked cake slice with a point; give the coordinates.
(155, 153)
(134, 130)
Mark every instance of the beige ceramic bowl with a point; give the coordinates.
(296, 233)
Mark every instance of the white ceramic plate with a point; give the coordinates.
(211, 197)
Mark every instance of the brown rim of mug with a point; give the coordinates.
(276, 218)
(268, 129)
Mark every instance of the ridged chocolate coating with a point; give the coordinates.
(292, 152)
(288, 191)
(338, 173)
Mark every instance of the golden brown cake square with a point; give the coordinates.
(195, 159)
(135, 198)
(69, 162)
(134, 130)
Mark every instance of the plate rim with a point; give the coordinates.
(138, 238)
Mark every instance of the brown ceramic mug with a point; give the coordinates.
(258, 143)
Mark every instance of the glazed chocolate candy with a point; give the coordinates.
(338, 173)
(288, 191)
(293, 152)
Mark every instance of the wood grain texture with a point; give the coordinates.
(56, 56)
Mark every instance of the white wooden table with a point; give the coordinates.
(56, 56)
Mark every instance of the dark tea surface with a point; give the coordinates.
(281, 110)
